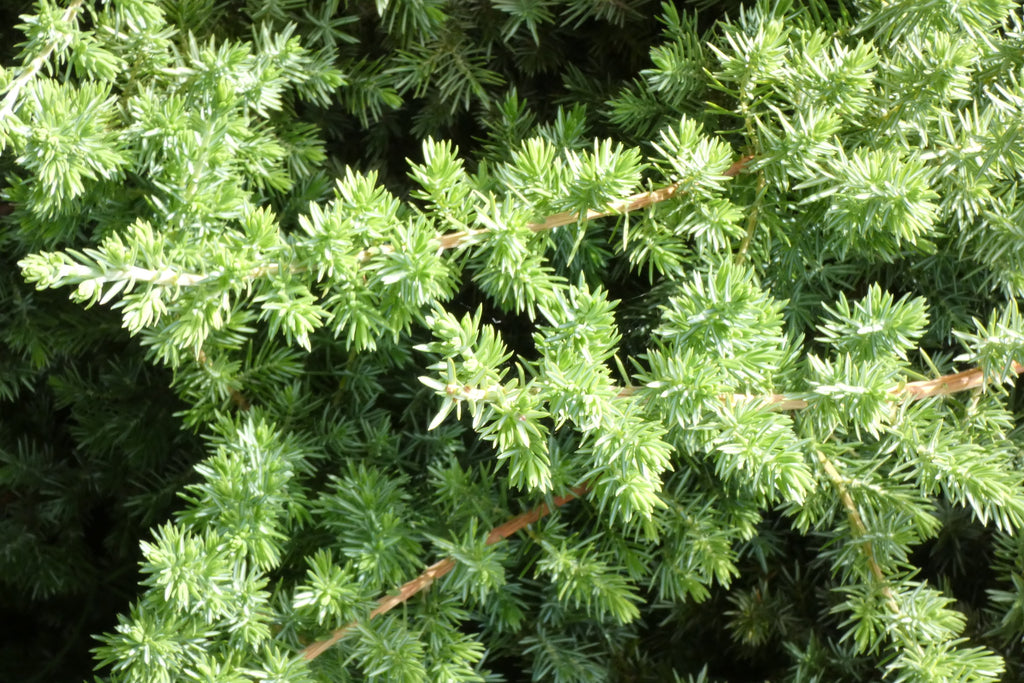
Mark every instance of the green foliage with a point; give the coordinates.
(462, 341)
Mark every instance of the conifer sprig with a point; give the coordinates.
(437, 570)
(709, 282)
(40, 55)
(940, 386)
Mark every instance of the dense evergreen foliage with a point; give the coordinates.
(568, 340)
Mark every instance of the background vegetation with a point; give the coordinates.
(637, 324)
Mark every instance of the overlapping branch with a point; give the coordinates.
(168, 277)
(940, 386)
(948, 384)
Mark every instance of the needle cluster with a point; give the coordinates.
(474, 341)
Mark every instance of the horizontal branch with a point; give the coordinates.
(616, 208)
(948, 384)
(448, 241)
(940, 386)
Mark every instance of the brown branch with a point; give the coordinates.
(439, 569)
(940, 386)
(948, 384)
(632, 203)
(171, 278)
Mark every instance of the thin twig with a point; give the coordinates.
(755, 210)
(617, 208)
(859, 528)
